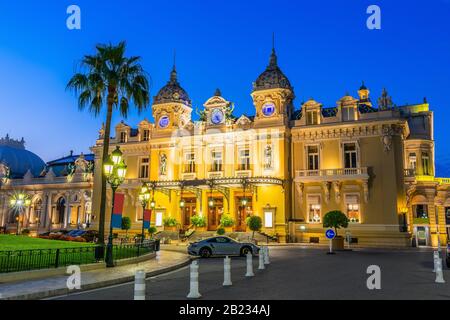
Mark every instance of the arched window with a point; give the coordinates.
(61, 209)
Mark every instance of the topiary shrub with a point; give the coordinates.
(226, 221)
(220, 231)
(152, 230)
(336, 220)
(126, 225)
(198, 221)
(254, 223)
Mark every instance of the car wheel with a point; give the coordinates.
(205, 253)
(246, 250)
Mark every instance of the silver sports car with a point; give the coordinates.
(221, 246)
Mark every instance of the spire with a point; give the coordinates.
(363, 86)
(218, 93)
(273, 57)
(173, 73)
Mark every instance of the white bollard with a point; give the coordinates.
(249, 265)
(261, 259)
(158, 255)
(227, 272)
(266, 255)
(435, 258)
(439, 273)
(139, 285)
(193, 290)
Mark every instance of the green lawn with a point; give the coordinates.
(13, 242)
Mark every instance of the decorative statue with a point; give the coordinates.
(162, 164)
(268, 157)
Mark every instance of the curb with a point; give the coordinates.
(96, 285)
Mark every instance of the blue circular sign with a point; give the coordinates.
(164, 121)
(330, 234)
(268, 109)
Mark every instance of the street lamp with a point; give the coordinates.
(115, 172)
(19, 202)
(144, 197)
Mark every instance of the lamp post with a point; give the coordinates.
(144, 197)
(115, 171)
(19, 202)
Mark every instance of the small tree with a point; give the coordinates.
(126, 225)
(198, 221)
(220, 231)
(254, 223)
(335, 219)
(152, 230)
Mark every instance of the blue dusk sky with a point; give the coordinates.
(324, 47)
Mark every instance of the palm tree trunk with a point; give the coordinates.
(107, 134)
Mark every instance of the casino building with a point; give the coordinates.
(287, 165)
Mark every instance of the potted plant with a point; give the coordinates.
(199, 222)
(254, 223)
(152, 230)
(126, 225)
(227, 222)
(170, 224)
(336, 220)
(220, 231)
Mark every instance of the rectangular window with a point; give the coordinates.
(189, 162)
(447, 215)
(312, 117)
(244, 159)
(123, 137)
(412, 161)
(313, 158)
(146, 135)
(144, 168)
(353, 208)
(425, 164)
(420, 211)
(216, 161)
(350, 156)
(348, 113)
(314, 209)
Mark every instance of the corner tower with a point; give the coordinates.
(273, 95)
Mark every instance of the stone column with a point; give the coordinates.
(67, 210)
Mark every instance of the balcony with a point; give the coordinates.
(331, 175)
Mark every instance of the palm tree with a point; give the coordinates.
(108, 77)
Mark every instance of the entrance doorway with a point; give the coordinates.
(215, 214)
(188, 211)
(422, 235)
(242, 212)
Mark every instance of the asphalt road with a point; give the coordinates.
(299, 273)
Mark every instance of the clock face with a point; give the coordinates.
(163, 122)
(268, 109)
(217, 116)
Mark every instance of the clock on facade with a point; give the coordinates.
(163, 122)
(217, 116)
(268, 109)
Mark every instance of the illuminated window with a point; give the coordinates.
(244, 159)
(123, 137)
(216, 161)
(189, 158)
(313, 158)
(145, 135)
(312, 117)
(353, 208)
(412, 161)
(314, 209)
(144, 168)
(348, 114)
(350, 156)
(425, 164)
(159, 219)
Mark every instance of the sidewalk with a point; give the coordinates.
(56, 286)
